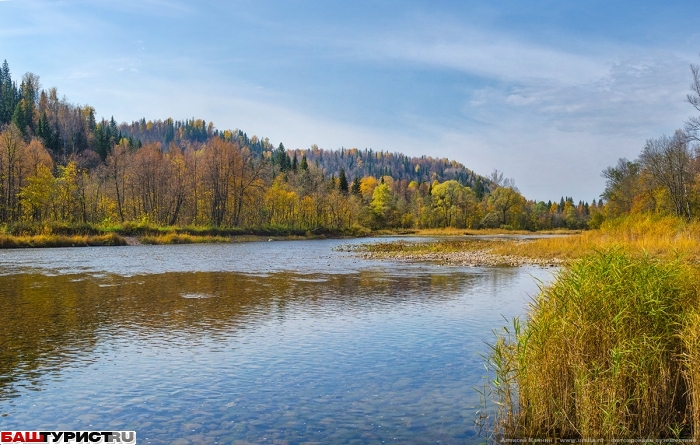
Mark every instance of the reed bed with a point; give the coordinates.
(177, 238)
(51, 240)
(610, 350)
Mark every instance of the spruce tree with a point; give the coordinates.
(8, 95)
(19, 118)
(279, 157)
(355, 189)
(479, 189)
(114, 132)
(343, 182)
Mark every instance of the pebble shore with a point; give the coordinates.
(475, 258)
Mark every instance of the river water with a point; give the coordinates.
(284, 342)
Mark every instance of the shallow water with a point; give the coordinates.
(280, 342)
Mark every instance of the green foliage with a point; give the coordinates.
(19, 118)
(381, 205)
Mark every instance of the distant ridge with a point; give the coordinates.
(357, 163)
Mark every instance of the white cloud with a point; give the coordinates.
(551, 115)
(441, 43)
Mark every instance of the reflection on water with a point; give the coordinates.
(320, 347)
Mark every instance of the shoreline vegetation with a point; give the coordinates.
(610, 349)
(85, 235)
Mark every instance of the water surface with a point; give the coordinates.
(281, 342)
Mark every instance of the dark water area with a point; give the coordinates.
(282, 342)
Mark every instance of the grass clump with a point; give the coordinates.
(610, 350)
(51, 240)
(178, 238)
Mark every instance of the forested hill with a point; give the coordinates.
(355, 162)
(60, 164)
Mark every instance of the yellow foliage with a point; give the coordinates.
(367, 185)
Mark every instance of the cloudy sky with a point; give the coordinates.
(549, 92)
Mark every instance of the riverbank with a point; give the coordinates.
(52, 240)
(637, 236)
(83, 235)
(480, 252)
(80, 235)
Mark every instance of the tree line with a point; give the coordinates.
(665, 178)
(58, 163)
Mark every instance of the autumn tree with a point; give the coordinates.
(505, 199)
(668, 160)
(381, 204)
(12, 147)
(621, 186)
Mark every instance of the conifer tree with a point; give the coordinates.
(355, 189)
(19, 118)
(479, 189)
(8, 95)
(114, 135)
(343, 182)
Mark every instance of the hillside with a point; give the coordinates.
(355, 162)
(60, 165)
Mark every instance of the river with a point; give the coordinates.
(284, 342)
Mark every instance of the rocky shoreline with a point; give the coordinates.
(475, 258)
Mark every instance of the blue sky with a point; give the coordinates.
(549, 92)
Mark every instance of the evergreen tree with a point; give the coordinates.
(8, 95)
(114, 134)
(29, 93)
(47, 134)
(479, 189)
(169, 132)
(19, 118)
(343, 182)
(295, 163)
(279, 158)
(102, 145)
(304, 164)
(355, 189)
(91, 123)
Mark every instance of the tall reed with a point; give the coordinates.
(608, 351)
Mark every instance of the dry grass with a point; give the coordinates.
(611, 350)
(451, 231)
(176, 238)
(663, 237)
(22, 241)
